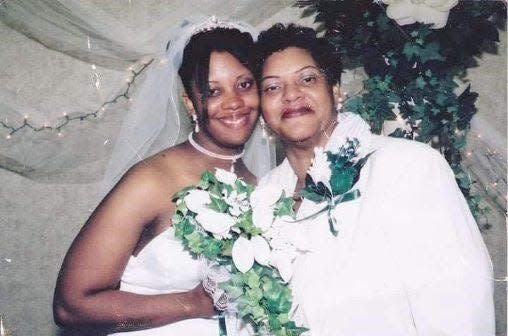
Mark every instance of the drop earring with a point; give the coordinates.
(264, 129)
(196, 123)
(339, 105)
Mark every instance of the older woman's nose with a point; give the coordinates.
(291, 92)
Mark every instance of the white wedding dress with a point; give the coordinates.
(408, 258)
(163, 266)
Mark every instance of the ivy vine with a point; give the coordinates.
(412, 70)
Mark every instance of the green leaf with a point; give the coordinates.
(194, 240)
(342, 181)
(211, 248)
(251, 279)
(430, 52)
(284, 206)
(218, 204)
(182, 193)
(411, 50)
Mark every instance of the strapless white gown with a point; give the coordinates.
(163, 266)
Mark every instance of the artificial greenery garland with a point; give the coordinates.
(412, 69)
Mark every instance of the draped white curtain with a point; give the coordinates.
(103, 39)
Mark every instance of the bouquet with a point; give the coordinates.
(235, 227)
(331, 178)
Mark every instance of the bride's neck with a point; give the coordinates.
(206, 141)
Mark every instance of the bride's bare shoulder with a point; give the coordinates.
(165, 169)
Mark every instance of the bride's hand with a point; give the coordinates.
(202, 302)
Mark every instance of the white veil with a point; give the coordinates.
(156, 118)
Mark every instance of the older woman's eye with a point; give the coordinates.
(309, 79)
(269, 89)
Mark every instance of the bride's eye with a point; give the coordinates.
(246, 84)
(213, 92)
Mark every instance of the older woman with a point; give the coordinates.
(408, 258)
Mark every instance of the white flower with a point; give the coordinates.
(433, 12)
(262, 217)
(245, 251)
(218, 224)
(238, 203)
(243, 254)
(265, 195)
(261, 250)
(320, 170)
(282, 261)
(225, 176)
(196, 200)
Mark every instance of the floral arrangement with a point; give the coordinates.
(413, 52)
(235, 227)
(331, 177)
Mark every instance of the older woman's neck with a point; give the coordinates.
(300, 154)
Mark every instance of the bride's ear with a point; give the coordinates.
(189, 105)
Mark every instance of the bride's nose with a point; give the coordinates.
(232, 101)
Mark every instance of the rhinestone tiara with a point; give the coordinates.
(212, 23)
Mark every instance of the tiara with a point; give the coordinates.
(212, 23)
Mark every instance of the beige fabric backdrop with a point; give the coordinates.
(41, 211)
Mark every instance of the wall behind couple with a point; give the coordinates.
(50, 179)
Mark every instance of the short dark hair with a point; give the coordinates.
(280, 37)
(196, 56)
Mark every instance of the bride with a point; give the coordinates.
(125, 272)
(408, 258)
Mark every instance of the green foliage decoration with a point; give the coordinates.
(413, 69)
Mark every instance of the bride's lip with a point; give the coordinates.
(293, 112)
(236, 120)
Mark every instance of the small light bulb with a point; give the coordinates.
(103, 109)
(8, 136)
(26, 117)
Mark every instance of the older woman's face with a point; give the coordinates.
(296, 99)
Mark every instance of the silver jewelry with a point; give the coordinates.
(196, 123)
(205, 151)
(212, 23)
(219, 296)
(264, 128)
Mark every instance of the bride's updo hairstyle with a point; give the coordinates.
(196, 57)
(280, 37)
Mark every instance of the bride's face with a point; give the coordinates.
(232, 103)
(296, 99)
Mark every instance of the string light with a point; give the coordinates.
(81, 117)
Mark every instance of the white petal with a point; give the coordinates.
(243, 254)
(262, 217)
(282, 262)
(265, 195)
(215, 222)
(261, 250)
(225, 176)
(196, 200)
